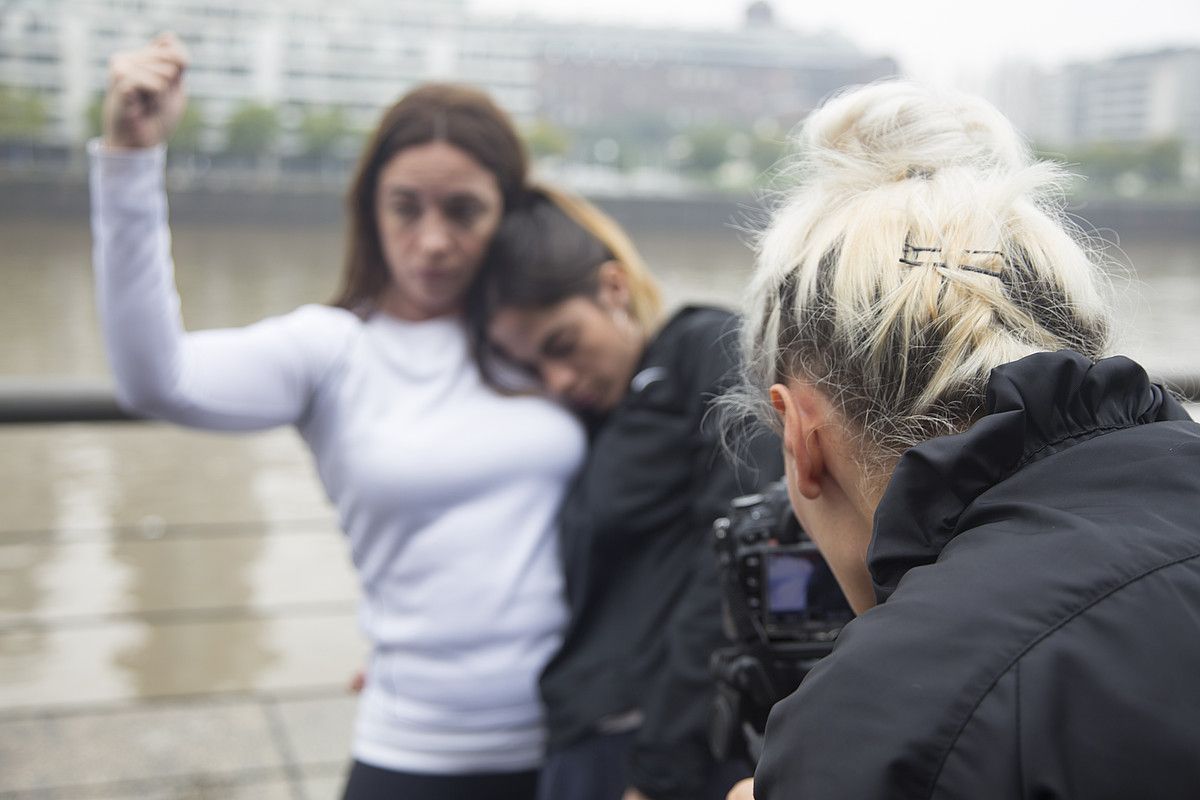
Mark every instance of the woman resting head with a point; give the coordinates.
(919, 247)
(566, 296)
(431, 187)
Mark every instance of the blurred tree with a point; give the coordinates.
(1164, 161)
(184, 141)
(547, 140)
(186, 138)
(709, 148)
(23, 116)
(766, 151)
(1105, 163)
(643, 139)
(95, 115)
(322, 130)
(252, 131)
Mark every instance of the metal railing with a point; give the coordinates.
(48, 400)
(39, 400)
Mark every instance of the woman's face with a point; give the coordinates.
(436, 209)
(584, 349)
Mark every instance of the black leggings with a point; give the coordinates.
(373, 783)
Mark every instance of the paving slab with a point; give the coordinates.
(318, 730)
(176, 741)
(64, 478)
(68, 582)
(324, 784)
(205, 786)
(126, 661)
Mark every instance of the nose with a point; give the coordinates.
(558, 378)
(434, 235)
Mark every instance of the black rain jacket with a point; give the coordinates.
(1039, 628)
(636, 543)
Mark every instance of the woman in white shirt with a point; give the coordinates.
(446, 489)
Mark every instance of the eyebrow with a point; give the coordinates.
(553, 339)
(463, 197)
(403, 193)
(409, 193)
(509, 357)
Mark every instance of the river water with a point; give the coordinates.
(235, 274)
(175, 563)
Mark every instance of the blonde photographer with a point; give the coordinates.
(1011, 513)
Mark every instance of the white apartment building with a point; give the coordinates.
(360, 55)
(1140, 97)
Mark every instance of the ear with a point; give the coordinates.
(613, 289)
(802, 415)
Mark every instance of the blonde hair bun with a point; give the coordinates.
(916, 245)
(895, 130)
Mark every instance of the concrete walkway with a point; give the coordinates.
(177, 617)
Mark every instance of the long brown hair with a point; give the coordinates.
(459, 115)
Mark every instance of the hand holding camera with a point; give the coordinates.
(783, 610)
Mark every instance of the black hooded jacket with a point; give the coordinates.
(1039, 628)
(637, 550)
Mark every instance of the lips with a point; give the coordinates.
(581, 400)
(585, 398)
(440, 280)
(437, 275)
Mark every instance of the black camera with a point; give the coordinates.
(783, 610)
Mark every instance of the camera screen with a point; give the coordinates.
(788, 576)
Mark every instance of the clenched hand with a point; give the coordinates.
(145, 93)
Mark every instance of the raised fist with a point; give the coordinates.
(145, 93)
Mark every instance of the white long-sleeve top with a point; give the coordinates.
(446, 490)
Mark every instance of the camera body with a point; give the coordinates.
(783, 611)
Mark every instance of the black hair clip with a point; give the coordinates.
(912, 253)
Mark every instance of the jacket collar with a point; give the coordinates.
(1035, 407)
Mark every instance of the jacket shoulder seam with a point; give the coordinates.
(1016, 659)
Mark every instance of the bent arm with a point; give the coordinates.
(237, 379)
(671, 757)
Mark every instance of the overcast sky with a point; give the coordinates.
(945, 41)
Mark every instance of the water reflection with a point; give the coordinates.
(1158, 322)
(47, 322)
(63, 485)
(133, 563)
(232, 275)
(167, 656)
(109, 530)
